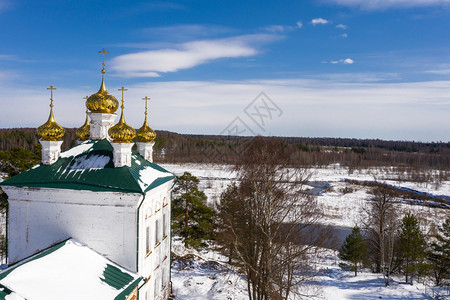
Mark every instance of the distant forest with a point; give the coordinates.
(176, 148)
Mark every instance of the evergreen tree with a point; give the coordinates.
(439, 255)
(353, 251)
(18, 160)
(192, 219)
(228, 215)
(411, 245)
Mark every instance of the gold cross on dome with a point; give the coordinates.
(123, 90)
(51, 88)
(103, 51)
(146, 99)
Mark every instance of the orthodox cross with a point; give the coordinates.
(123, 90)
(103, 51)
(146, 99)
(51, 88)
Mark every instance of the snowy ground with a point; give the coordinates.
(205, 276)
(339, 209)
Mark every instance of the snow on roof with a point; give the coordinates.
(94, 162)
(148, 175)
(69, 270)
(79, 149)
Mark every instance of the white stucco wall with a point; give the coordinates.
(40, 217)
(156, 262)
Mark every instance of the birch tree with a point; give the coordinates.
(272, 229)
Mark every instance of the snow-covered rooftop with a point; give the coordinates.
(68, 270)
(89, 166)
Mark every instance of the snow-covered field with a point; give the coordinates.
(206, 275)
(339, 209)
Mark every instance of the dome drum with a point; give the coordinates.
(100, 124)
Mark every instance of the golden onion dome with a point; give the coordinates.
(145, 134)
(84, 132)
(50, 130)
(102, 101)
(122, 132)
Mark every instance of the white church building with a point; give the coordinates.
(92, 222)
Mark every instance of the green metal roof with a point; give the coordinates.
(91, 168)
(4, 292)
(129, 289)
(115, 277)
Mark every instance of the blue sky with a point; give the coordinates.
(330, 68)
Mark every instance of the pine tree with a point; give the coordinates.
(18, 160)
(411, 245)
(353, 251)
(229, 213)
(192, 219)
(439, 254)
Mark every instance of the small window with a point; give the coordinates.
(147, 242)
(164, 226)
(157, 231)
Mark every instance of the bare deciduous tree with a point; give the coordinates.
(273, 223)
(381, 227)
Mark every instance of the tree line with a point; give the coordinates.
(391, 246)
(173, 147)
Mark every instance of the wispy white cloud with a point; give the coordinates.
(184, 32)
(341, 26)
(384, 4)
(283, 28)
(8, 76)
(366, 77)
(5, 5)
(187, 55)
(319, 21)
(279, 28)
(311, 107)
(345, 61)
(8, 57)
(344, 35)
(439, 71)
